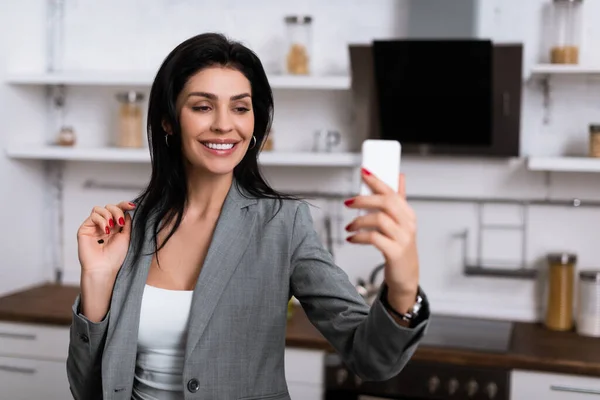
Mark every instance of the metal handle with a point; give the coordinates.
(21, 336)
(18, 370)
(558, 388)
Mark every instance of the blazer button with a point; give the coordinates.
(83, 337)
(193, 385)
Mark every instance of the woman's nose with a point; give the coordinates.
(222, 122)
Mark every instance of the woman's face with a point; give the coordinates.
(217, 120)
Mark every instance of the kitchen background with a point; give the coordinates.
(113, 46)
(135, 36)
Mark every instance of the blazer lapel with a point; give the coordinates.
(231, 237)
(123, 323)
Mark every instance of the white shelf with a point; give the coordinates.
(564, 164)
(309, 159)
(310, 82)
(57, 153)
(564, 69)
(145, 78)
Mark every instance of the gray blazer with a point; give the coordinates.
(237, 326)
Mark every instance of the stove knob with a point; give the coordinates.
(433, 384)
(491, 390)
(472, 387)
(453, 386)
(341, 376)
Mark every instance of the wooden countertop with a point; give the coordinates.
(45, 304)
(532, 346)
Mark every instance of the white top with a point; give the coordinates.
(161, 344)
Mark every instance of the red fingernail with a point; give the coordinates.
(348, 226)
(366, 171)
(107, 230)
(121, 221)
(132, 204)
(349, 238)
(349, 202)
(111, 222)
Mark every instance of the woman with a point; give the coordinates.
(184, 291)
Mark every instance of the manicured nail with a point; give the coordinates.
(366, 171)
(107, 230)
(132, 204)
(111, 222)
(348, 227)
(121, 221)
(349, 202)
(349, 239)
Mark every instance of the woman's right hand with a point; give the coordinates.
(103, 239)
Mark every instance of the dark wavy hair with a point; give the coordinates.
(166, 194)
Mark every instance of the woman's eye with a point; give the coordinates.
(201, 108)
(241, 109)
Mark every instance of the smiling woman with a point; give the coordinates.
(207, 94)
(186, 288)
(216, 118)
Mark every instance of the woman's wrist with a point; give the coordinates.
(96, 292)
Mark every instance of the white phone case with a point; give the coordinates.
(382, 159)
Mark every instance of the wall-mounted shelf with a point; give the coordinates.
(564, 164)
(107, 154)
(144, 79)
(544, 74)
(564, 69)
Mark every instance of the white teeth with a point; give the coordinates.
(219, 146)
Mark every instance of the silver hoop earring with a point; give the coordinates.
(167, 139)
(253, 144)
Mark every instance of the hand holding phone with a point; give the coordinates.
(389, 222)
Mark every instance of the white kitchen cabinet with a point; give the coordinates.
(34, 341)
(301, 391)
(304, 372)
(26, 379)
(527, 385)
(33, 362)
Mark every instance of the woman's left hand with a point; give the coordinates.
(391, 227)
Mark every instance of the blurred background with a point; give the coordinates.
(496, 104)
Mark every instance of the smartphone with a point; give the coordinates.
(382, 159)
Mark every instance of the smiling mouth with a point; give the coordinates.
(219, 146)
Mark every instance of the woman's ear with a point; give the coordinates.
(167, 127)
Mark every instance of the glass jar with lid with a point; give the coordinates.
(588, 303)
(566, 31)
(594, 140)
(131, 131)
(299, 44)
(559, 306)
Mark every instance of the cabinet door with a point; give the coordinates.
(301, 391)
(34, 341)
(526, 385)
(26, 379)
(304, 366)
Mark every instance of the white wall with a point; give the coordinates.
(116, 35)
(23, 247)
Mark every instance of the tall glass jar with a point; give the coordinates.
(566, 29)
(588, 303)
(594, 140)
(130, 119)
(299, 44)
(561, 276)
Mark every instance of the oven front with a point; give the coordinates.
(419, 381)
